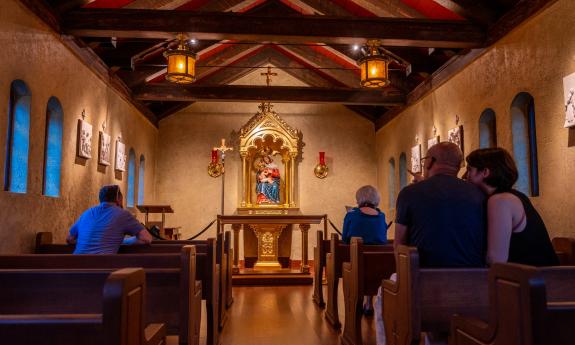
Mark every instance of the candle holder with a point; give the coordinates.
(215, 169)
(321, 169)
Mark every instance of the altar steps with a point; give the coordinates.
(250, 277)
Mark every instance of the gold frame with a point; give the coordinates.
(267, 129)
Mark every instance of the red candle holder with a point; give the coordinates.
(215, 169)
(321, 169)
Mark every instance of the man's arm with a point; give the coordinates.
(142, 237)
(73, 235)
(400, 235)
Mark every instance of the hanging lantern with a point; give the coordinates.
(374, 66)
(181, 63)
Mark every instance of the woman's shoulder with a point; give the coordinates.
(504, 199)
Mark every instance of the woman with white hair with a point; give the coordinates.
(368, 222)
(365, 220)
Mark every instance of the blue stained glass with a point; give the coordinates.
(487, 132)
(525, 143)
(391, 183)
(19, 138)
(402, 171)
(53, 158)
(131, 178)
(141, 180)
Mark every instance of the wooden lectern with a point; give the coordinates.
(163, 209)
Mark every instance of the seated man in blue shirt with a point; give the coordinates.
(101, 229)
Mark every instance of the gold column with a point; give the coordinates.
(304, 261)
(292, 178)
(236, 228)
(288, 182)
(246, 176)
(249, 181)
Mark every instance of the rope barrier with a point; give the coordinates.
(203, 230)
(334, 227)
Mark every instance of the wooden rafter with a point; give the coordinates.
(475, 10)
(217, 26)
(191, 93)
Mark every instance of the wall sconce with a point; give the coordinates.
(215, 169)
(321, 169)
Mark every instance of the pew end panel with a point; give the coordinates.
(318, 265)
(338, 254)
(362, 275)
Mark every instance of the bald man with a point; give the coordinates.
(442, 215)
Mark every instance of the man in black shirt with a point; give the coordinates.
(442, 215)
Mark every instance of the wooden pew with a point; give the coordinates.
(320, 252)
(565, 249)
(173, 293)
(44, 245)
(53, 307)
(229, 250)
(424, 300)
(528, 305)
(362, 276)
(338, 254)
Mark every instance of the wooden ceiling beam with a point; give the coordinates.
(289, 94)
(476, 11)
(301, 29)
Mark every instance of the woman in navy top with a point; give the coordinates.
(365, 220)
(368, 222)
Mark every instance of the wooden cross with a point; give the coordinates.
(268, 75)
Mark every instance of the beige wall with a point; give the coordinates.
(33, 53)
(186, 138)
(534, 58)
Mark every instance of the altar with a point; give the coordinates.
(267, 227)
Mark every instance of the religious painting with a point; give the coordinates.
(84, 139)
(104, 154)
(120, 156)
(455, 135)
(416, 159)
(432, 141)
(569, 96)
(267, 180)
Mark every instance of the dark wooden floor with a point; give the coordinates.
(282, 316)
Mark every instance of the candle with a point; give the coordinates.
(215, 156)
(322, 158)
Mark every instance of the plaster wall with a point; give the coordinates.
(33, 53)
(533, 58)
(186, 139)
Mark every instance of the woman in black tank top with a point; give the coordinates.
(516, 233)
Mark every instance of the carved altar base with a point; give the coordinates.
(268, 238)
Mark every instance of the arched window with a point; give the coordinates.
(525, 143)
(391, 183)
(53, 153)
(487, 133)
(18, 139)
(131, 178)
(141, 180)
(402, 170)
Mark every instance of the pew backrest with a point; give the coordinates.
(565, 249)
(425, 299)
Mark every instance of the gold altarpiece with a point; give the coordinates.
(268, 188)
(265, 136)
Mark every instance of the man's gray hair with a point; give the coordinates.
(367, 195)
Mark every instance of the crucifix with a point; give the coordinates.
(223, 149)
(269, 75)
